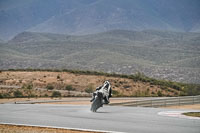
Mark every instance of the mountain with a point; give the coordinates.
(80, 17)
(160, 54)
(35, 37)
(18, 16)
(1, 41)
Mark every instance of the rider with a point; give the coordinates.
(106, 90)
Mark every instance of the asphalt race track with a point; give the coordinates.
(108, 118)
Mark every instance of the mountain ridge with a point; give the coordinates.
(82, 17)
(157, 54)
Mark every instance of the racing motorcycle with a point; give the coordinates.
(101, 96)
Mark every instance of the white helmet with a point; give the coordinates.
(106, 85)
(106, 82)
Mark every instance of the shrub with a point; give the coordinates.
(29, 86)
(176, 93)
(69, 88)
(50, 87)
(160, 94)
(154, 94)
(126, 86)
(146, 93)
(138, 93)
(182, 94)
(115, 92)
(1, 96)
(89, 90)
(163, 88)
(56, 94)
(6, 95)
(31, 95)
(18, 94)
(46, 95)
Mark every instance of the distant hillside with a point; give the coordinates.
(37, 83)
(166, 55)
(35, 37)
(92, 16)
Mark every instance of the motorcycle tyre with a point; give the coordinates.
(96, 104)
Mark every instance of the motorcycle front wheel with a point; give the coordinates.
(97, 103)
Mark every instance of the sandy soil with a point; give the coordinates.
(29, 129)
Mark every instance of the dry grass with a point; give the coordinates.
(194, 114)
(30, 129)
(80, 82)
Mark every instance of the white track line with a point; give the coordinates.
(178, 114)
(56, 127)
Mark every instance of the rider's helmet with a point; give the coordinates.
(106, 84)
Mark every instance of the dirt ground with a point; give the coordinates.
(30, 129)
(39, 80)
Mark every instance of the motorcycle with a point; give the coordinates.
(101, 96)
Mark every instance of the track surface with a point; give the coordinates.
(109, 118)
